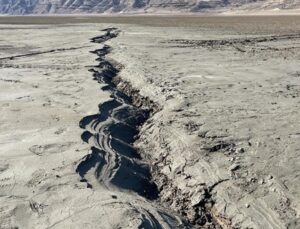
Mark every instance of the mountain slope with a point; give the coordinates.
(21, 7)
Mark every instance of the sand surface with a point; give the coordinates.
(44, 96)
(220, 148)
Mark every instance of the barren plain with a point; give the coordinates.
(155, 122)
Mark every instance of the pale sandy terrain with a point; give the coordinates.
(227, 138)
(219, 150)
(43, 98)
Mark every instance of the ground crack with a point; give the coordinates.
(112, 160)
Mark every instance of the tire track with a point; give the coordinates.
(41, 52)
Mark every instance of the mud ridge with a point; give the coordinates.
(198, 215)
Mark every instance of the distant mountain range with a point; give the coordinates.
(21, 7)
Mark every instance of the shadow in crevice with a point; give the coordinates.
(91, 160)
(111, 132)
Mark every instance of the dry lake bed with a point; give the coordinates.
(150, 122)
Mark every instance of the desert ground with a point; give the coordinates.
(150, 122)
